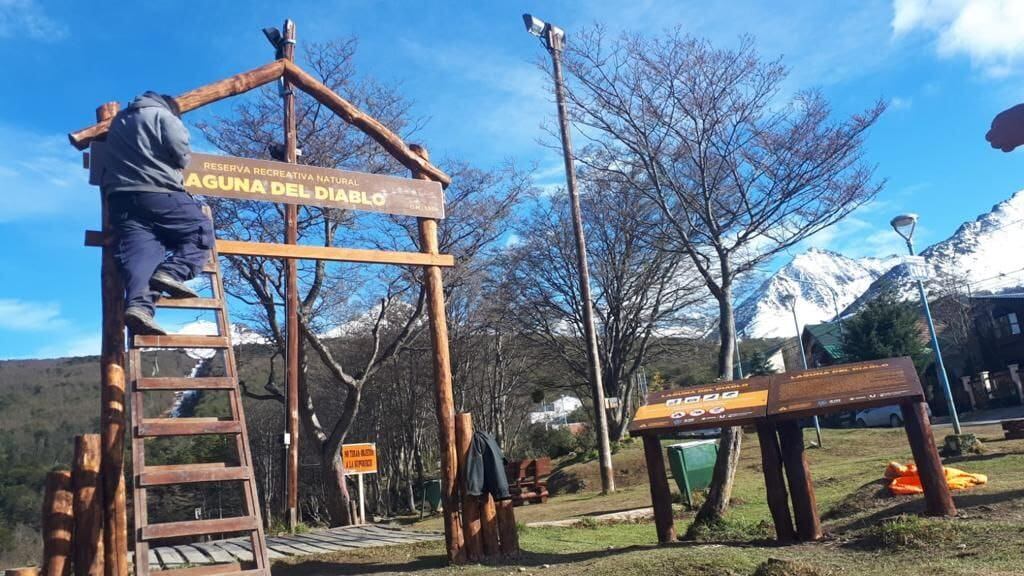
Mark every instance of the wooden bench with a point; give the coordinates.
(1013, 429)
(528, 480)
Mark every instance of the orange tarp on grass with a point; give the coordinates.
(905, 480)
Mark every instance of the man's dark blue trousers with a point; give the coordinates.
(158, 231)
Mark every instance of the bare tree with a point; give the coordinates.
(739, 169)
(639, 288)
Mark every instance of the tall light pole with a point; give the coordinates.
(791, 299)
(553, 39)
(904, 225)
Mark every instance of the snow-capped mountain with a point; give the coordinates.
(822, 283)
(985, 255)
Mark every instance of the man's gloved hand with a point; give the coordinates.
(1007, 130)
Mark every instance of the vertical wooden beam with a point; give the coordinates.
(291, 218)
(508, 532)
(801, 487)
(442, 383)
(661, 497)
(88, 506)
(774, 483)
(937, 497)
(112, 393)
(470, 504)
(489, 527)
(58, 523)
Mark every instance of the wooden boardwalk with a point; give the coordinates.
(315, 542)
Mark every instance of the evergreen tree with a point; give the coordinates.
(885, 328)
(758, 364)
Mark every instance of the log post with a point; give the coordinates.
(112, 393)
(774, 483)
(58, 524)
(801, 487)
(938, 499)
(88, 506)
(508, 533)
(470, 504)
(445, 402)
(661, 497)
(489, 527)
(291, 219)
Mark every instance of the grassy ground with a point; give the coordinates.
(869, 532)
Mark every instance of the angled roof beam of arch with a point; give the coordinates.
(246, 81)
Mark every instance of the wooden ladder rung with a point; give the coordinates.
(180, 341)
(190, 303)
(198, 527)
(191, 474)
(153, 427)
(232, 569)
(167, 383)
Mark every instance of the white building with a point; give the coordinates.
(556, 414)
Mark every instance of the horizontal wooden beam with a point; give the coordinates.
(332, 253)
(301, 252)
(237, 84)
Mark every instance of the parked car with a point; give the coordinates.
(881, 416)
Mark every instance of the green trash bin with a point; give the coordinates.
(430, 495)
(692, 464)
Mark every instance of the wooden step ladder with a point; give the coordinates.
(145, 477)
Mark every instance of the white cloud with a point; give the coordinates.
(42, 175)
(987, 31)
(899, 103)
(80, 345)
(29, 316)
(27, 19)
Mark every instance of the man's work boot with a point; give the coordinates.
(164, 282)
(141, 322)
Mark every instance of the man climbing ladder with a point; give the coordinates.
(147, 148)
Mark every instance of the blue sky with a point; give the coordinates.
(945, 66)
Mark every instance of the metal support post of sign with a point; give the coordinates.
(362, 500)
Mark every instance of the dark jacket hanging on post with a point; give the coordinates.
(485, 468)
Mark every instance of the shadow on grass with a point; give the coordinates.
(347, 567)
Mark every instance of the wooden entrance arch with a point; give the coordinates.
(112, 357)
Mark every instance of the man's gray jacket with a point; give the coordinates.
(147, 147)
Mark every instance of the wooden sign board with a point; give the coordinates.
(730, 403)
(359, 458)
(265, 180)
(844, 387)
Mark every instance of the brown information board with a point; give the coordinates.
(844, 387)
(792, 394)
(720, 404)
(246, 179)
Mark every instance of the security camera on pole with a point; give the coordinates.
(553, 38)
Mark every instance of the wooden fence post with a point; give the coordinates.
(88, 505)
(489, 526)
(58, 523)
(661, 497)
(508, 533)
(445, 402)
(774, 483)
(112, 394)
(801, 488)
(937, 497)
(470, 504)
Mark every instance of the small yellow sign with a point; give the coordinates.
(359, 458)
